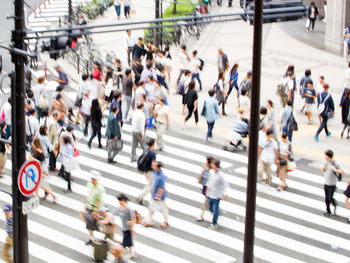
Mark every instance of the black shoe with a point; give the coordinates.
(89, 145)
(133, 160)
(111, 161)
(67, 191)
(140, 202)
(88, 242)
(326, 214)
(100, 146)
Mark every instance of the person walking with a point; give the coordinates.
(113, 133)
(41, 98)
(221, 94)
(130, 42)
(325, 109)
(93, 203)
(162, 117)
(81, 90)
(150, 159)
(96, 122)
(3, 147)
(66, 154)
(203, 179)
(6, 112)
(211, 113)
(217, 187)
(117, 6)
(346, 36)
(302, 85)
(138, 123)
(53, 133)
(85, 111)
(128, 86)
(233, 80)
(310, 95)
(312, 15)
(138, 50)
(128, 218)
(192, 102)
(286, 114)
(9, 230)
(345, 113)
(332, 172)
(183, 66)
(268, 155)
(32, 126)
(185, 84)
(222, 62)
(127, 4)
(196, 67)
(246, 85)
(284, 151)
(159, 193)
(62, 79)
(346, 82)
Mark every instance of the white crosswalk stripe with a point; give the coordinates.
(288, 229)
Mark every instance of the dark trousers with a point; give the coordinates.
(196, 76)
(87, 121)
(189, 115)
(329, 192)
(323, 125)
(66, 176)
(96, 130)
(290, 134)
(229, 3)
(210, 129)
(182, 71)
(130, 50)
(162, 82)
(52, 161)
(127, 11)
(230, 90)
(214, 208)
(8, 131)
(312, 23)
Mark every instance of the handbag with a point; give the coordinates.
(307, 23)
(76, 152)
(43, 102)
(292, 125)
(291, 166)
(70, 164)
(114, 145)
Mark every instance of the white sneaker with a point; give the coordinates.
(213, 227)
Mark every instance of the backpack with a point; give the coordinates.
(201, 65)
(243, 87)
(281, 87)
(338, 175)
(303, 86)
(321, 106)
(143, 163)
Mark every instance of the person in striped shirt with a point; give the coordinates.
(9, 241)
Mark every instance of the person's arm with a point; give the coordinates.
(259, 151)
(276, 157)
(142, 125)
(195, 105)
(167, 120)
(323, 169)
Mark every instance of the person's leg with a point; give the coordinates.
(160, 130)
(331, 194)
(179, 77)
(128, 100)
(68, 176)
(8, 131)
(210, 129)
(344, 128)
(322, 125)
(87, 120)
(196, 76)
(148, 187)
(196, 119)
(216, 211)
(327, 198)
(99, 136)
(313, 24)
(94, 133)
(164, 210)
(326, 127)
(210, 204)
(268, 172)
(134, 145)
(189, 115)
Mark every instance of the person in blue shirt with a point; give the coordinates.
(62, 77)
(117, 101)
(233, 80)
(159, 194)
(9, 239)
(310, 95)
(211, 113)
(326, 98)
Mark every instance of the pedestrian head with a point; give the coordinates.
(321, 79)
(95, 177)
(70, 128)
(150, 142)
(249, 74)
(2, 125)
(123, 199)
(32, 112)
(269, 104)
(59, 89)
(290, 103)
(234, 68)
(66, 140)
(325, 87)
(116, 94)
(263, 110)
(210, 159)
(220, 51)
(149, 65)
(140, 106)
(84, 77)
(97, 65)
(312, 3)
(307, 72)
(284, 136)
(9, 100)
(141, 83)
(58, 96)
(70, 112)
(215, 164)
(7, 209)
(290, 69)
(128, 32)
(244, 92)
(161, 100)
(347, 93)
(109, 75)
(57, 67)
(43, 130)
(269, 133)
(139, 41)
(143, 98)
(183, 47)
(211, 93)
(194, 53)
(30, 94)
(156, 166)
(309, 83)
(329, 155)
(55, 115)
(115, 109)
(191, 85)
(41, 80)
(187, 73)
(117, 61)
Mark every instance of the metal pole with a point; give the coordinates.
(70, 12)
(157, 36)
(174, 9)
(161, 25)
(20, 229)
(248, 254)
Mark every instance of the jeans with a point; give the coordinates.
(126, 106)
(196, 76)
(290, 133)
(162, 82)
(214, 208)
(210, 129)
(136, 139)
(127, 11)
(323, 125)
(117, 9)
(96, 130)
(329, 192)
(8, 131)
(190, 111)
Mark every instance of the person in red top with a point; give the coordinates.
(96, 73)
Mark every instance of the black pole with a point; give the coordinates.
(20, 229)
(174, 9)
(248, 254)
(161, 25)
(70, 12)
(157, 36)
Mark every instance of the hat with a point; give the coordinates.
(249, 73)
(309, 81)
(7, 208)
(95, 175)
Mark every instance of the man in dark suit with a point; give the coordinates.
(113, 134)
(328, 110)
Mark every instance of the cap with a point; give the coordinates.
(95, 175)
(7, 208)
(249, 73)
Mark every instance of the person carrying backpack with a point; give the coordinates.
(144, 164)
(302, 85)
(246, 85)
(325, 109)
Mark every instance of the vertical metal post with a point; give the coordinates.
(174, 9)
(248, 254)
(20, 229)
(161, 25)
(70, 12)
(157, 37)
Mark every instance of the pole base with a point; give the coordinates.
(256, 260)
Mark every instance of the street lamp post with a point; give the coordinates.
(20, 229)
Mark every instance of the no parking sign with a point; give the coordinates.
(29, 177)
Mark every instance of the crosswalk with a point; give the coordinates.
(289, 227)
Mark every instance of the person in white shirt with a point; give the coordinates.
(81, 90)
(268, 154)
(127, 4)
(244, 104)
(32, 126)
(85, 111)
(162, 117)
(161, 68)
(217, 187)
(184, 60)
(138, 130)
(6, 110)
(117, 6)
(39, 90)
(195, 67)
(138, 92)
(129, 44)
